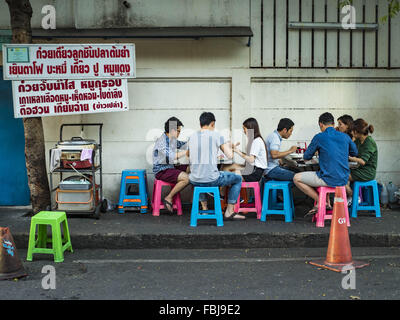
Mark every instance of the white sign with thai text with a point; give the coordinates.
(66, 97)
(68, 61)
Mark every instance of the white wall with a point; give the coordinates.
(185, 77)
(156, 13)
(142, 13)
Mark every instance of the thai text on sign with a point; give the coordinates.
(67, 97)
(68, 61)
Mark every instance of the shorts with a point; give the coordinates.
(171, 175)
(255, 176)
(311, 179)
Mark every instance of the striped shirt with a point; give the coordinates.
(164, 152)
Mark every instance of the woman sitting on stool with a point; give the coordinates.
(256, 156)
(367, 158)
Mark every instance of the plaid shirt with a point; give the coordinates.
(164, 152)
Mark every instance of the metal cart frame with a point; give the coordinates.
(93, 170)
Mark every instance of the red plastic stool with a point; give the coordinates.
(156, 202)
(244, 207)
(322, 214)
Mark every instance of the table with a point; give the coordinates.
(298, 164)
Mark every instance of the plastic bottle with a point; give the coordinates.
(391, 190)
(384, 195)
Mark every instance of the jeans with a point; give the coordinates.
(225, 179)
(280, 174)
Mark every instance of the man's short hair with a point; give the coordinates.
(206, 118)
(172, 123)
(285, 123)
(326, 119)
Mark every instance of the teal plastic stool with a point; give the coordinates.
(270, 205)
(59, 244)
(373, 204)
(197, 214)
(136, 179)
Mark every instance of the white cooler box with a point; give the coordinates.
(76, 200)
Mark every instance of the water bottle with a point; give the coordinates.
(391, 190)
(384, 195)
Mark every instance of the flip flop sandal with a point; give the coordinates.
(166, 204)
(313, 211)
(232, 217)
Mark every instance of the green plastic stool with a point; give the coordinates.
(39, 245)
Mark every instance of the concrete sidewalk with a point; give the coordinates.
(133, 230)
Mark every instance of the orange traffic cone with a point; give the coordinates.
(339, 251)
(10, 265)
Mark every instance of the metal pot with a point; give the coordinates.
(77, 143)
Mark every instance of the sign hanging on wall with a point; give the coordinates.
(67, 97)
(68, 61)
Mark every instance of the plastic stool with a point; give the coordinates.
(243, 195)
(42, 220)
(206, 214)
(242, 207)
(156, 201)
(269, 203)
(322, 213)
(273, 196)
(374, 206)
(140, 198)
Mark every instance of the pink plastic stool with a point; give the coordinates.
(322, 214)
(244, 207)
(156, 202)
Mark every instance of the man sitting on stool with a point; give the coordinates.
(274, 171)
(334, 148)
(164, 154)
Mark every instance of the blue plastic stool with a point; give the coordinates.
(137, 178)
(367, 195)
(273, 196)
(371, 204)
(270, 204)
(197, 214)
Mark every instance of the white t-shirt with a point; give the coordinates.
(258, 150)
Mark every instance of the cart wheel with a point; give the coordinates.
(96, 214)
(104, 205)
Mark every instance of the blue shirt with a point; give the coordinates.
(334, 148)
(273, 142)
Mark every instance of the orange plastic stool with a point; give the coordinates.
(243, 195)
